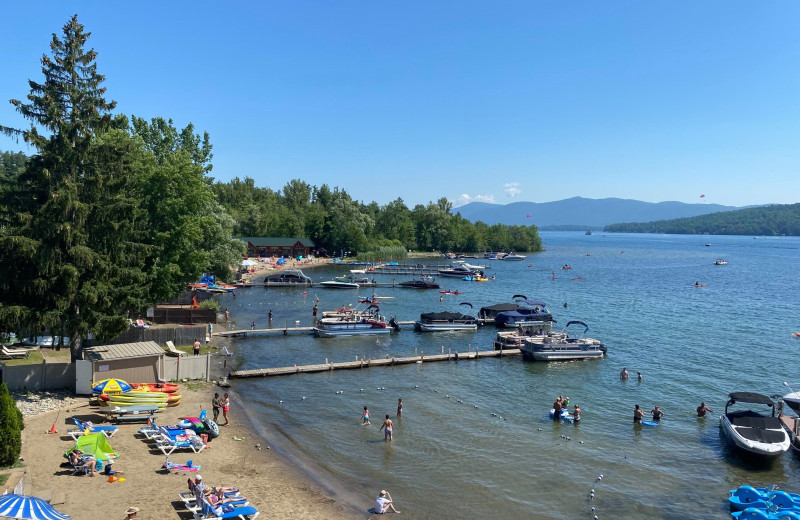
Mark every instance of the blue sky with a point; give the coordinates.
(469, 100)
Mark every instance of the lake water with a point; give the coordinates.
(451, 458)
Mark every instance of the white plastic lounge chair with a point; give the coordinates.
(14, 353)
(84, 426)
(173, 350)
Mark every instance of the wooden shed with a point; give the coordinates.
(134, 362)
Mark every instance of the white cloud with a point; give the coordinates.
(512, 189)
(465, 198)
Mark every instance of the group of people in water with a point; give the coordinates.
(656, 412)
(388, 425)
(562, 404)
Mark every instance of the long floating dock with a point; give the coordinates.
(368, 363)
(261, 332)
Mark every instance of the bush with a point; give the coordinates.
(10, 428)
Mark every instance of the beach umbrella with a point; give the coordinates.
(111, 386)
(21, 506)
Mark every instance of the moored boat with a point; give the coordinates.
(445, 321)
(751, 431)
(336, 284)
(419, 284)
(458, 271)
(526, 310)
(288, 278)
(720, 261)
(513, 257)
(560, 347)
(367, 321)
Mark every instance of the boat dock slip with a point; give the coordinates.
(260, 332)
(368, 363)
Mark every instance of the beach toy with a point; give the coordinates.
(238, 438)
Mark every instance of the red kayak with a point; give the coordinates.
(167, 388)
(450, 292)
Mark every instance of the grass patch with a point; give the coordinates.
(17, 464)
(195, 385)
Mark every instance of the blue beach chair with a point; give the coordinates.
(86, 427)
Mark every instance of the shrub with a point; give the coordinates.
(11, 424)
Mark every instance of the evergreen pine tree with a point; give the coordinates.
(72, 254)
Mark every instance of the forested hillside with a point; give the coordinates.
(772, 220)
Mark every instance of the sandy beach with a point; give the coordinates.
(268, 480)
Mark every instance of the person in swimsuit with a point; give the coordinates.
(216, 405)
(638, 414)
(576, 413)
(387, 434)
(657, 413)
(399, 408)
(365, 416)
(557, 409)
(226, 405)
(702, 409)
(624, 373)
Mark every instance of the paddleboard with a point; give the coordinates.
(651, 423)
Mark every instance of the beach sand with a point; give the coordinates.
(270, 482)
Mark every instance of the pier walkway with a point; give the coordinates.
(369, 363)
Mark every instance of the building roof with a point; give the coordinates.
(277, 241)
(123, 351)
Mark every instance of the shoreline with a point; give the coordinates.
(269, 479)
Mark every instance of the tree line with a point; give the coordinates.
(112, 213)
(773, 220)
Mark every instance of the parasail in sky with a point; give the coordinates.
(528, 215)
(703, 196)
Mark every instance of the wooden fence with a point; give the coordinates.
(186, 367)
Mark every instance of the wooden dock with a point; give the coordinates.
(369, 363)
(243, 333)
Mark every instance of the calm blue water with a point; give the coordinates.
(456, 460)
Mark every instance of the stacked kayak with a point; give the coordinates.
(764, 503)
(125, 395)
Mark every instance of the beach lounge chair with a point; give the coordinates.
(209, 512)
(14, 353)
(86, 427)
(173, 350)
(190, 497)
(169, 444)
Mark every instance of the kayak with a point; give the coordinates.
(150, 397)
(156, 387)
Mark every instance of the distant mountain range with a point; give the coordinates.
(579, 212)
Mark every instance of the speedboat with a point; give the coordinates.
(419, 284)
(514, 257)
(457, 270)
(560, 347)
(527, 310)
(337, 284)
(752, 431)
(287, 278)
(792, 399)
(443, 321)
(720, 261)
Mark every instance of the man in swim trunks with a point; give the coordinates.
(624, 373)
(557, 409)
(702, 409)
(657, 413)
(387, 434)
(638, 414)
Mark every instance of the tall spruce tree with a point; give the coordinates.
(71, 253)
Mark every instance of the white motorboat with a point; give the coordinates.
(751, 431)
(337, 284)
(792, 399)
(444, 321)
(514, 257)
(560, 347)
(720, 261)
(457, 270)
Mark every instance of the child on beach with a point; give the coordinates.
(365, 416)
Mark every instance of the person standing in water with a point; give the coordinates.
(269, 316)
(638, 414)
(624, 374)
(389, 427)
(365, 416)
(657, 413)
(314, 312)
(399, 408)
(702, 409)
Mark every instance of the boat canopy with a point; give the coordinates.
(750, 397)
(445, 316)
(576, 322)
(534, 303)
(494, 310)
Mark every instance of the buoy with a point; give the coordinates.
(304, 398)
